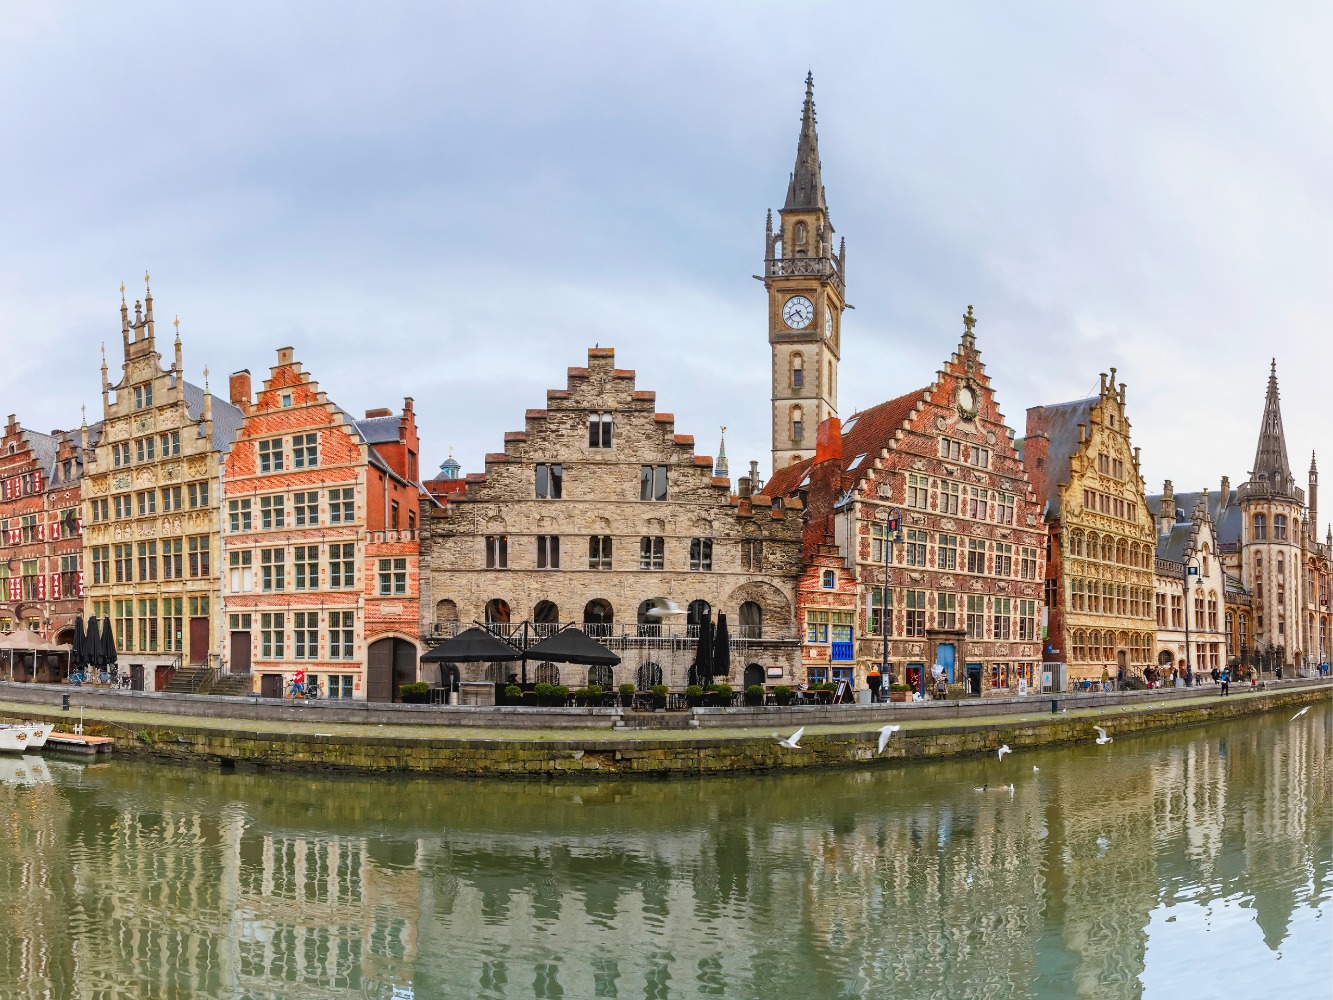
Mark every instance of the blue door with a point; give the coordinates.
(944, 656)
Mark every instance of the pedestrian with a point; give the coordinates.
(873, 681)
(1254, 678)
(1278, 671)
(1226, 681)
(941, 686)
(1106, 680)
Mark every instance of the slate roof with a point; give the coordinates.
(227, 418)
(44, 447)
(378, 430)
(1061, 429)
(1226, 520)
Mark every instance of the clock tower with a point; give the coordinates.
(804, 278)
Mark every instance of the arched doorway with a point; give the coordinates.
(598, 617)
(752, 620)
(497, 612)
(390, 663)
(650, 675)
(754, 674)
(546, 673)
(546, 613)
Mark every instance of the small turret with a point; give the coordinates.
(1166, 513)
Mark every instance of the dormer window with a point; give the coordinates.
(600, 430)
(286, 399)
(829, 579)
(143, 396)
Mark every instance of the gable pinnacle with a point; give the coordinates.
(969, 323)
(806, 188)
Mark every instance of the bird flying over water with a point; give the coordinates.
(792, 742)
(1101, 735)
(1300, 713)
(884, 733)
(1002, 751)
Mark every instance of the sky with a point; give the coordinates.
(454, 201)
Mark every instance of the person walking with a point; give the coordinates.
(1226, 681)
(1106, 680)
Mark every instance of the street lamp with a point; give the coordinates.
(892, 533)
(1192, 566)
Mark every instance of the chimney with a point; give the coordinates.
(240, 389)
(828, 440)
(1225, 495)
(379, 411)
(743, 488)
(755, 484)
(1166, 513)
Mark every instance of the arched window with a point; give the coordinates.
(752, 620)
(1260, 527)
(797, 371)
(797, 423)
(1077, 650)
(546, 673)
(696, 614)
(1094, 545)
(1076, 543)
(1108, 645)
(800, 232)
(602, 676)
(1094, 644)
(446, 611)
(546, 613)
(1280, 527)
(650, 675)
(1108, 548)
(1122, 552)
(598, 617)
(497, 612)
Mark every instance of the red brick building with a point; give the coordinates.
(41, 526)
(320, 540)
(964, 585)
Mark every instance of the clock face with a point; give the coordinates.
(967, 400)
(828, 322)
(797, 312)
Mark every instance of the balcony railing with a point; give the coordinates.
(818, 267)
(625, 636)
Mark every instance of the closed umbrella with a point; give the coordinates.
(92, 644)
(108, 645)
(721, 648)
(703, 656)
(77, 651)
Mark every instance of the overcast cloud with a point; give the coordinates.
(453, 202)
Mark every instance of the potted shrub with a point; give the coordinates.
(513, 694)
(899, 692)
(660, 692)
(626, 695)
(754, 694)
(782, 694)
(559, 695)
(694, 695)
(719, 695)
(414, 694)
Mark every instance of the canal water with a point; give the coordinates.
(1190, 864)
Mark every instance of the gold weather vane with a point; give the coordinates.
(177, 324)
(122, 293)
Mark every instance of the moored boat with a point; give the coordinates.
(17, 739)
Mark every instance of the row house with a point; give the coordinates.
(957, 580)
(599, 513)
(41, 530)
(1190, 591)
(150, 493)
(1100, 577)
(320, 568)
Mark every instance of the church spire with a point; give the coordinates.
(1271, 470)
(720, 470)
(805, 192)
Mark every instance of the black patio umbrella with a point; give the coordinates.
(703, 655)
(572, 645)
(107, 645)
(475, 645)
(721, 648)
(92, 644)
(77, 651)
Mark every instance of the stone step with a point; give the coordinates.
(233, 686)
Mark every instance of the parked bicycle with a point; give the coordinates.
(78, 678)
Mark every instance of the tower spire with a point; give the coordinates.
(806, 189)
(720, 470)
(1270, 458)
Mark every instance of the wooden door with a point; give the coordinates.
(162, 677)
(136, 676)
(379, 671)
(404, 666)
(198, 640)
(240, 652)
(270, 685)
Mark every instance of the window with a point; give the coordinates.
(305, 451)
(340, 636)
(701, 554)
(393, 515)
(842, 624)
(393, 575)
(342, 563)
(600, 426)
(272, 512)
(28, 528)
(1001, 618)
(1027, 621)
(550, 481)
(197, 494)
(143, 396)
(1078, 650)
(797, 371)
(976, 555)
(548, 551)
(976, 616)
(148, 625)
(946, 611)
(752, 555)
(1027, 563)
(1177, 612)
(1161, 610)
(915, 622)
(270, 455)
(100, 511)
(1004, 559)
(946, 552)
(305, 635)
(125, 624)
(651, 552)
(951, 450)
(239, 565)
(918, 491)
(120, 454)
(599, 552)
(147, 502)
(122, 506)
(1052, 593)
(147, 561)
(875, 622)
(124, 562)
(305, 567)
(30, 578)
(101, 564)
(171, 443)
(915, 549)
(342, 505)
(829, 579)
(271, 635)
(976, 503)
(950, 495)
(171, 498)
(980, 457)
(272, 570)
(497, 551)
(1212, 612)
(816, 626)
(1260, 527)
(1280, 527)
(797, 423)
(652, 482)
(877, 532)
(238, 515)
(173, 624)
(1004, 508)
(145, 449)
(173, 558)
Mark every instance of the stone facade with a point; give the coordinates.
(150, 509)
(1187, 548)
(41, 531)
(320, 539)
(1100, 579)
(591, 512)
(965, 579)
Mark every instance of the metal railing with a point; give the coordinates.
(625, 636)
(820, 267)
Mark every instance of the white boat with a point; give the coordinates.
(25, 770)
(17, 739)
(41, 730)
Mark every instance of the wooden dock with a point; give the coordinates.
(78, 743)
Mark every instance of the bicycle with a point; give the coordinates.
(78, 678)
(309, 690)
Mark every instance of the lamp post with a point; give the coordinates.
(892, 532)
(1192, 566)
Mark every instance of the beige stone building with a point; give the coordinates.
(594, 511)
(1193, 613)
(151, 549)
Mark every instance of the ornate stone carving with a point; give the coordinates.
(121, 481)
(171, 472)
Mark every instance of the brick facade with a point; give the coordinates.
(700, 543)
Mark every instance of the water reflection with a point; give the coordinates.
(133, 881)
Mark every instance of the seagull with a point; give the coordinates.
(884, 733)
(1035, 769)
(1300, 713)
(1003, 750)
(1101, 735)
(792, 742)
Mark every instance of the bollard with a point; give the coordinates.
(64, 703)
(1055, 707)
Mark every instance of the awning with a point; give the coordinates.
(572, 645)
(476, 645)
